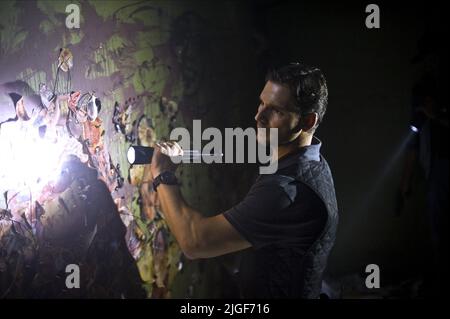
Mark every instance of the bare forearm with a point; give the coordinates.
(180, 218)
(198, 236)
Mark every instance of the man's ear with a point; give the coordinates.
(308, 121)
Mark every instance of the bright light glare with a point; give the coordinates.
(26, 159)
(414, 129)
(131, 155)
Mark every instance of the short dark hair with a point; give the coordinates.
(307, 84)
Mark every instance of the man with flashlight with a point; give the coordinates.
(287, 221)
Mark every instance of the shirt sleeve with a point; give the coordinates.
(258, 216)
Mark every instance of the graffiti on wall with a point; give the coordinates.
(92, 91)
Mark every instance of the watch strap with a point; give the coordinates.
(166, 177)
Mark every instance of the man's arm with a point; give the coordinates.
(197, 236)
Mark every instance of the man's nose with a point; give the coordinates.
(260, 115)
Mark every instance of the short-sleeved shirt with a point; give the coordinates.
(281, 217)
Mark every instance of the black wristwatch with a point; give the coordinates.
(166, 177)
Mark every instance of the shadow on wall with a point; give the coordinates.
(78, 225)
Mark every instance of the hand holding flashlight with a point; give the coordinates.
(170, 148)
(140, 155)
(161, 160)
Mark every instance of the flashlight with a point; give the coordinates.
(414, 128)
(138, 155)
(417, 121)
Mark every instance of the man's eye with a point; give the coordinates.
(278, 112)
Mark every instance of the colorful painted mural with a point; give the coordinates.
(128, 75)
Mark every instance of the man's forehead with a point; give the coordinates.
(277, 94)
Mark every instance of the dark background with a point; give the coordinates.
(228, 46)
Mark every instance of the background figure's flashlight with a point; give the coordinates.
(138, 155)
(418, 120)
(413, 128)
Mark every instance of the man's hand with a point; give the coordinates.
(161, 160)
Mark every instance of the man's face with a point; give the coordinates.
(276, 110)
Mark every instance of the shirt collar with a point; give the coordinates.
(305, 153)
